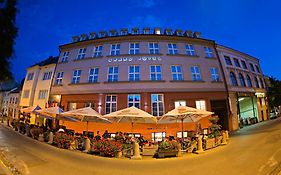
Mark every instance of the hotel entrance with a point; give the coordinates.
(247, 110)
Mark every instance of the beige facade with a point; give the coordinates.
(246, 86)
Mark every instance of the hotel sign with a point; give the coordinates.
(129, 59)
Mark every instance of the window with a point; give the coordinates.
(244, 65)
(134, 48)
(249, 81)
(214, 74)
(195, 73)
(252, 67)
(228, 60)
(190, 50)
(59, 78)
(208, 52)
(76, 76)
(153, 48)
(110, 104)
(124, 32)
(157, 101)
(42, 94)
(97, 51)
(155, 73)
(176, 72)
(30, 76)
(242, 80)
(64, 56)
(257, 68)
(81, 53)
(261, 82)
(236, 62)
(72, 106)
(158, 136)
(47, 76)
(200, 104)
(134, 100)
(180, 103)
(93, 75)
(112, 74)
(172, 49)
(134, 73)
(115, 49)
(233, 79)
(257, 83)
(26, 93)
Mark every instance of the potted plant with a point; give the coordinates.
(167, 148)
(214, 137)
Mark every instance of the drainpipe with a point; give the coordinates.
(225, 85)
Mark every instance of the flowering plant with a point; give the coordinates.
(63, 140)
(108, 147)
(168, 145)
(214, 128)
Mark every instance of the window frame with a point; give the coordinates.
(135, 50)
(134, 102)
(134, 73)
(195, 74)
(76, 77)
(93, 78)
(158, 112)
(113, 75)
(81, 53)
(111, 102)
(208, 52)
(97, 51)
(173, 50)
(116, 50)
(155, 73)
(154, 49)
(177, 73)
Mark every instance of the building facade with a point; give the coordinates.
(153, 70)
(37, 84)
(246, 87)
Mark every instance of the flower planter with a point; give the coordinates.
(218, 140)
(210, 143)
(162, 154)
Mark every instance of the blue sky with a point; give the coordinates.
(251, 26)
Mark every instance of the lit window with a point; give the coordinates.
(47, 76)
(200, 104)
(93, 75)
(30, 76)
(190, 50)
(110, 103)
(26, 94)
(236, 62)
(81, 53)
(153, 48)
(76, 76)
(208, 52)
(176, 72)
(214, 74)
(155, 73)
(233, 79)
(242, 80)
(97, 51)
(112, 74)
(59, 78)
(134, 100)
(228, 60)
(134, 73)
(172, 49)
(64, 56)
(115, 49)
(42, 94)
(244, 65)
(72, 106)
(134, 48)
(158, 136)
(249, 81)
(195, 73)
(180, 103)
(157, 101)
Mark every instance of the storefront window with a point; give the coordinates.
(201, 104)
(158, 136)
(180, 103)
(110, 103)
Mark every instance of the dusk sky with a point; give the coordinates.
(250, 26)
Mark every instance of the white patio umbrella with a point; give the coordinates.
(131, 115)
(50, 113)
(184, 114)
(30, 109)
(85, 115)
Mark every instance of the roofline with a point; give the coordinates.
(226, 47)
(139, 35)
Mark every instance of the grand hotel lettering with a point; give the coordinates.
(129, 59)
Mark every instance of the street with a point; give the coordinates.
(253, 150)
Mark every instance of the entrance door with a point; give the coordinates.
(219, 107)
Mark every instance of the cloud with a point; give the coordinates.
(144, 3)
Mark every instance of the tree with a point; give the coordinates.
(8, 34)
(274, 92)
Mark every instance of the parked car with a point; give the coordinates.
(273, 114)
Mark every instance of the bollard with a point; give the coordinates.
(51, 138)
(223, 139)
(227, 135)
(199, 145)
(136, 155)
(87, 145)
(179, 150)
(41, 138)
